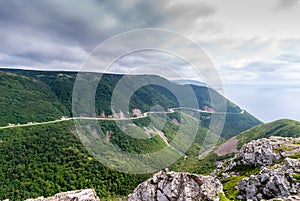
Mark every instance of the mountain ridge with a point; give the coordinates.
(60, 87)
(32, 153)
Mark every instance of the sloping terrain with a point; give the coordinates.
(39, 96)
(283, 128)
(25, 99)
(47, 159)
(227, 149)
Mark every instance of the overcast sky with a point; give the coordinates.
(251, 42)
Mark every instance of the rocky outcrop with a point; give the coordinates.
(275, 182)
(79, 195)
(290, 198)
(176, 186)
(259, 152)
(265, 152)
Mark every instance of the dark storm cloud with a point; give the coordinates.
(66, 30)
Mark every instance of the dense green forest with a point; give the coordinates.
(41, 160)
(24, 99)
(47, 159)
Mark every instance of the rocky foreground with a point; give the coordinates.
(168, 185)
(78, 195)
(279, 175)
(277, 179)
(276, 182)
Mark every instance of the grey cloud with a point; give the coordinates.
(257, 67)
(285, 4)
(263, 67)
(53, 30)
(289, 58)
(190, 9)
(183, 14)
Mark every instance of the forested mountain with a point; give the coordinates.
(37, 96)
(41, 160)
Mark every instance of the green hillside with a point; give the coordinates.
(283, 127)
(41, 160)
(44, 160)
(39, 96)
(25, 99)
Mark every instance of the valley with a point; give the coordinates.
(40, 143)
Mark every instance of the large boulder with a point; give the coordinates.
(78, 195)
(177, 186)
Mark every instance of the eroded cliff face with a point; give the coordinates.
(172, 186)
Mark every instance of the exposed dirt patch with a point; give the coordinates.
(230, 146)
(149, 131)
(175, 121)
(108, 135)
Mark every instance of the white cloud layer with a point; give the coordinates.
(250, 42)
(253, 43)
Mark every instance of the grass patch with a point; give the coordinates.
(227, 156)
(297, 176)
(229, 187)
(297, 142)
(246, 170)
(223, 197)
(295, 156)
(283, 148)
(114, 199)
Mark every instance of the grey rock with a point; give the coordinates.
(265, 152)
(259, 152)
(78, 195)
(292, 164)
(272, 183)
(172, 186)
(289, 198)
(242, 185)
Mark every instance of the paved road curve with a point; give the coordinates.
(146, 114)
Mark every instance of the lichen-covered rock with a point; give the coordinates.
(172, 186)
(271, 183)
(78, 195)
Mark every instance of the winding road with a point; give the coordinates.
(146, 114)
